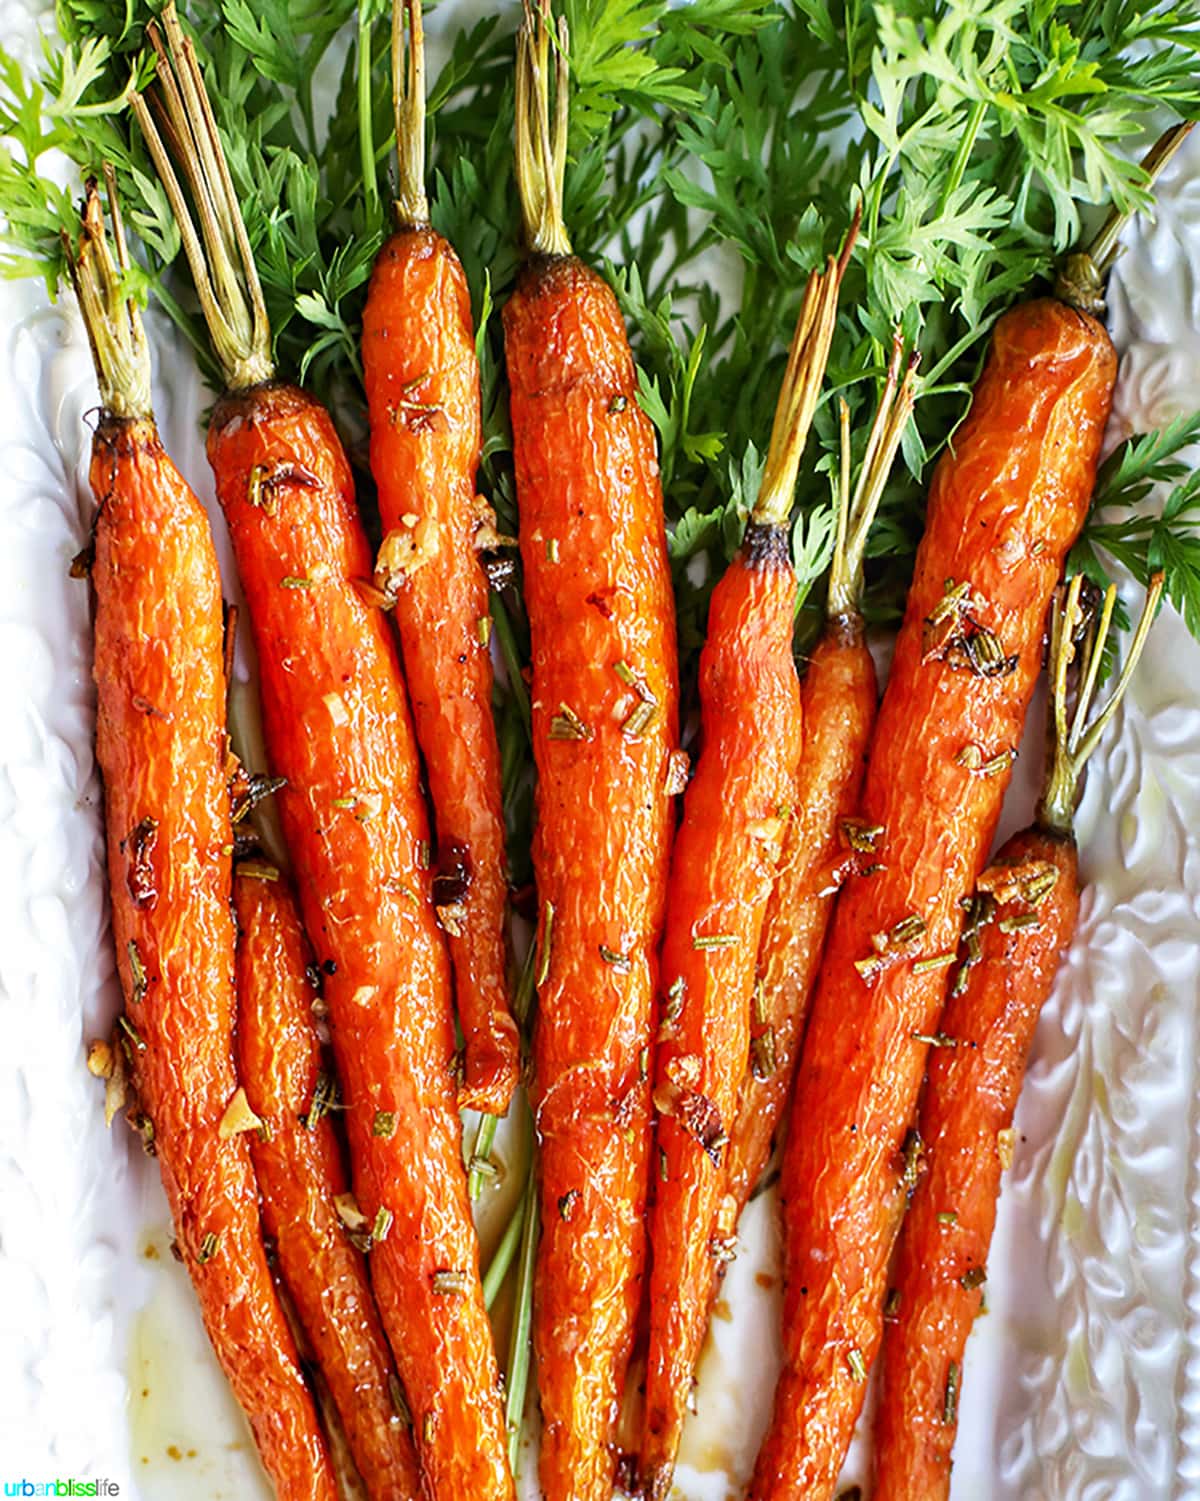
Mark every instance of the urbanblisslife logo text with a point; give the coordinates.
(26, 1487)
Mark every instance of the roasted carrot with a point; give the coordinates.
(722, 871)
(302, 1180)
(1026, 907)
(1005, 505)
(422, 381)
(338, 729)
(160, 743)
(823, 841)
(604, 700)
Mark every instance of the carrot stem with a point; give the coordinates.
(113, 321)
(1073, 744)
(221, 262)
(541, 144)
(857, 512)
(408, 98)
(502, 1257)
(366, 138)
(519, 1344)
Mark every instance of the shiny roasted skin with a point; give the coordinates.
(160, 742)
(338, 728)
(1004, 508)
(722, 869)
(422, 382)
(298, 1163)
(840, 696)
(598, 592)
(969, 1099)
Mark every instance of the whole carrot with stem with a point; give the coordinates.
(422, 382)
(723, 867)
(823, 841)
(1026, 908)
(1004, 508)
(338, 729)
(161, 745)
(302, 1181)
(604, 709)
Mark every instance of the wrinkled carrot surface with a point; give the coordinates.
(967, 1107)
(722, 869)
(422, 382)
(840, 696)
(298, 1163)
(604, 692)
(337, 727)
(160, 742)
(1005, 505)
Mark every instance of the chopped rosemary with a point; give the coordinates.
(971, 757)
(891, 1306)
(950, 1405)
(292, 581)
(617, 404)
(723, 1248)
(611, 956)
(424, 854)
(1022, 920)
(973, 1278)
(384, 1220)
(450, 1283)
(858, 1366)
(662, 1165)
(566, 1204)
(324, 1099)
(543, 971)
(998, 764)
(482, 1167)
(934, 1039)
(552, 550)
(208, 1247)
(384, 1123)
(626, 674)
(258, 870)
(763, 1060)
(860, 836)
(947, 1217)
(935, 961)
(758, 1002)
(640, 720)
(137, 973)
(567, 725)
(483, 630)
(131, 1032)
(715, 941)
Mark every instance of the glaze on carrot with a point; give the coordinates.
(722, 870)
(604, 697)
(160, 743)
(302, 1179)
(338, 729)
(1005, 505)
(823, 839)
(422, 383)
(1026, 908)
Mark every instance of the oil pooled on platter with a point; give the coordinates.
(188, 1438)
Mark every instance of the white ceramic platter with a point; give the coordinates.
(1083, 1381)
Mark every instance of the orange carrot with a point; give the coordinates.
(604, 699)
(298, 1163)
(823, 840)
(161, 745)
(422, 382)
(1026, 907)
(338, 729)
(1004, 507)
(722, 871)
